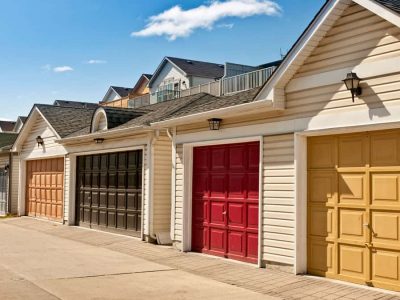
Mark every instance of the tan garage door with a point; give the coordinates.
(45, 186)
(354, 208)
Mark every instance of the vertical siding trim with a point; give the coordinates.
(300, 152)
(173, 185)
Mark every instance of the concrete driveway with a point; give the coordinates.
(38, 265)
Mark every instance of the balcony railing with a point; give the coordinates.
(164, 95)
(139, 101)
(246, 81)
(213, 88)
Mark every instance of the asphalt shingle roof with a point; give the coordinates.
(78, 104)
(7, 139)
(122, 91)
(391, 4)
(199, 68)
(7, 125)
(66, 120)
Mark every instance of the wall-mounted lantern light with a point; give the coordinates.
(214, 123)
(39, 141)
(352, 83)
(99, 140)
(6, 168)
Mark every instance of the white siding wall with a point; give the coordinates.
(279, 199)
(30, 149)
(168, 72)
(146, 191)
(200, 80)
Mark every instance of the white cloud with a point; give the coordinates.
(63, 69)
(224, 25)
(96, 61)
(176, 22)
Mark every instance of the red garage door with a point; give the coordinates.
(225, 200)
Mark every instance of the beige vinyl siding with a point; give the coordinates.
(14, 183)
(178, 234)
(146, 186)
(67, 172)
(278, 223)
(30, 149)
(162, 184)
(4, 160)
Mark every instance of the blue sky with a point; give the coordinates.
(41, 41)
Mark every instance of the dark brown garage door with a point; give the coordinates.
(109, 190)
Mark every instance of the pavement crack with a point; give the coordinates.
(115, 274)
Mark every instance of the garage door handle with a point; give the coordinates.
(224, 213)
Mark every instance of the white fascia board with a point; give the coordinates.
(27, 126)
(104, 134)
(229, 111)
(107, 94)
(292, 56)
(380, 10)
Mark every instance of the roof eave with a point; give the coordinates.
(230, 111)
(102, 134)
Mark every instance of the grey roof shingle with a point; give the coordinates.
(7, 126)
(66, 120)
(199, 68)
(7, 139)
(391, 4)
(119, 116)
(121, 91)
(78, 104)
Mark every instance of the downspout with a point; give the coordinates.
(173, 182)
(150, 220)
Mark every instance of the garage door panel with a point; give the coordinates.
(322, 153)
(321, 222)
(386, 228)
(217, 185)
(385, 189)
(236, 243)
(351, 225)
(321, 257)
(237, 185)
(352, 151)
(352, 261)
(352, 188)
(217, 212)
(115, 200)
(322, 187)
(218, 158)
(217, 240)
(237, 158)
(386, 266)
(236, 212)
(385, 149)
(253, 184)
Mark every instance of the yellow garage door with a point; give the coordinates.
(354, 208)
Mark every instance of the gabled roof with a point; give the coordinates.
(7, 139)
(66, 120)
(313, 34)
(78, 104)
(144, 78)
(121, 91)
(7, 126)
(191, 67)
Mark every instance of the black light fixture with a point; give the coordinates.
(6, 168)
(352, 83)
(99, 140)
(214, 123)
(39, 141)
